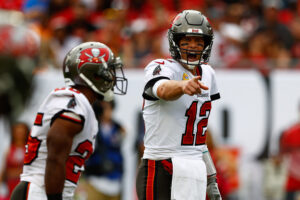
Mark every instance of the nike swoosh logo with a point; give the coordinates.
(161, 63)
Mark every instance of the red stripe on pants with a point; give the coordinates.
(150, 180)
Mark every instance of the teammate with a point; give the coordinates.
(178, 92)
(64, 131)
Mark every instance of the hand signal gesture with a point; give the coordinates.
(193, 86)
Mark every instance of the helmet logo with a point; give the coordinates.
(194, 30)
(93, 55)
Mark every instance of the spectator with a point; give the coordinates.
(11, 5)
(226, 162)
(104, 170)
(271, 23)
(295, 51)
(232, 33)
(139, 46)
(10, 174)
(19, 47)
(35, 10)
(278, 56)
(109, 30)
(275, 175)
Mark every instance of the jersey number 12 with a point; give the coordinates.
(191, 112)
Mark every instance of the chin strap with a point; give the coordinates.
(108, 95)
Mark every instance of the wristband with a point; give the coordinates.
(211, 179)
(54, 196)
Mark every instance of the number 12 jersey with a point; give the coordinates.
(177, 128)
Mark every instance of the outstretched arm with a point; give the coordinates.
(171, 90)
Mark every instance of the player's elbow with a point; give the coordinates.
(166, 94)
(161, 92)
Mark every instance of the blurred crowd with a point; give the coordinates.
(260, 34)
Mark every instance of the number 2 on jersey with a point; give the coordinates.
(31, 150)
(75, 163)
(191, 112)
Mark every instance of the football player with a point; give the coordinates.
(63, 134)
(177, 101)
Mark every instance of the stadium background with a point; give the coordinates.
(256, 56)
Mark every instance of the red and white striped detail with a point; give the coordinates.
(71, 116)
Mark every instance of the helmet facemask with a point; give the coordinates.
(120, 82)
(190, 55)
(107, 80)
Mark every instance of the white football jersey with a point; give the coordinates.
(176, 128)
(61, 103)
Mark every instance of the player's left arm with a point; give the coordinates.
(212, 188)
(59, 142)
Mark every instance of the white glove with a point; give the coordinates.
(212, 189)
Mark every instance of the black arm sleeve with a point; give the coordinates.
(147, 94)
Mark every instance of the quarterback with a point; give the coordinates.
(177, 102)
(63, 134)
